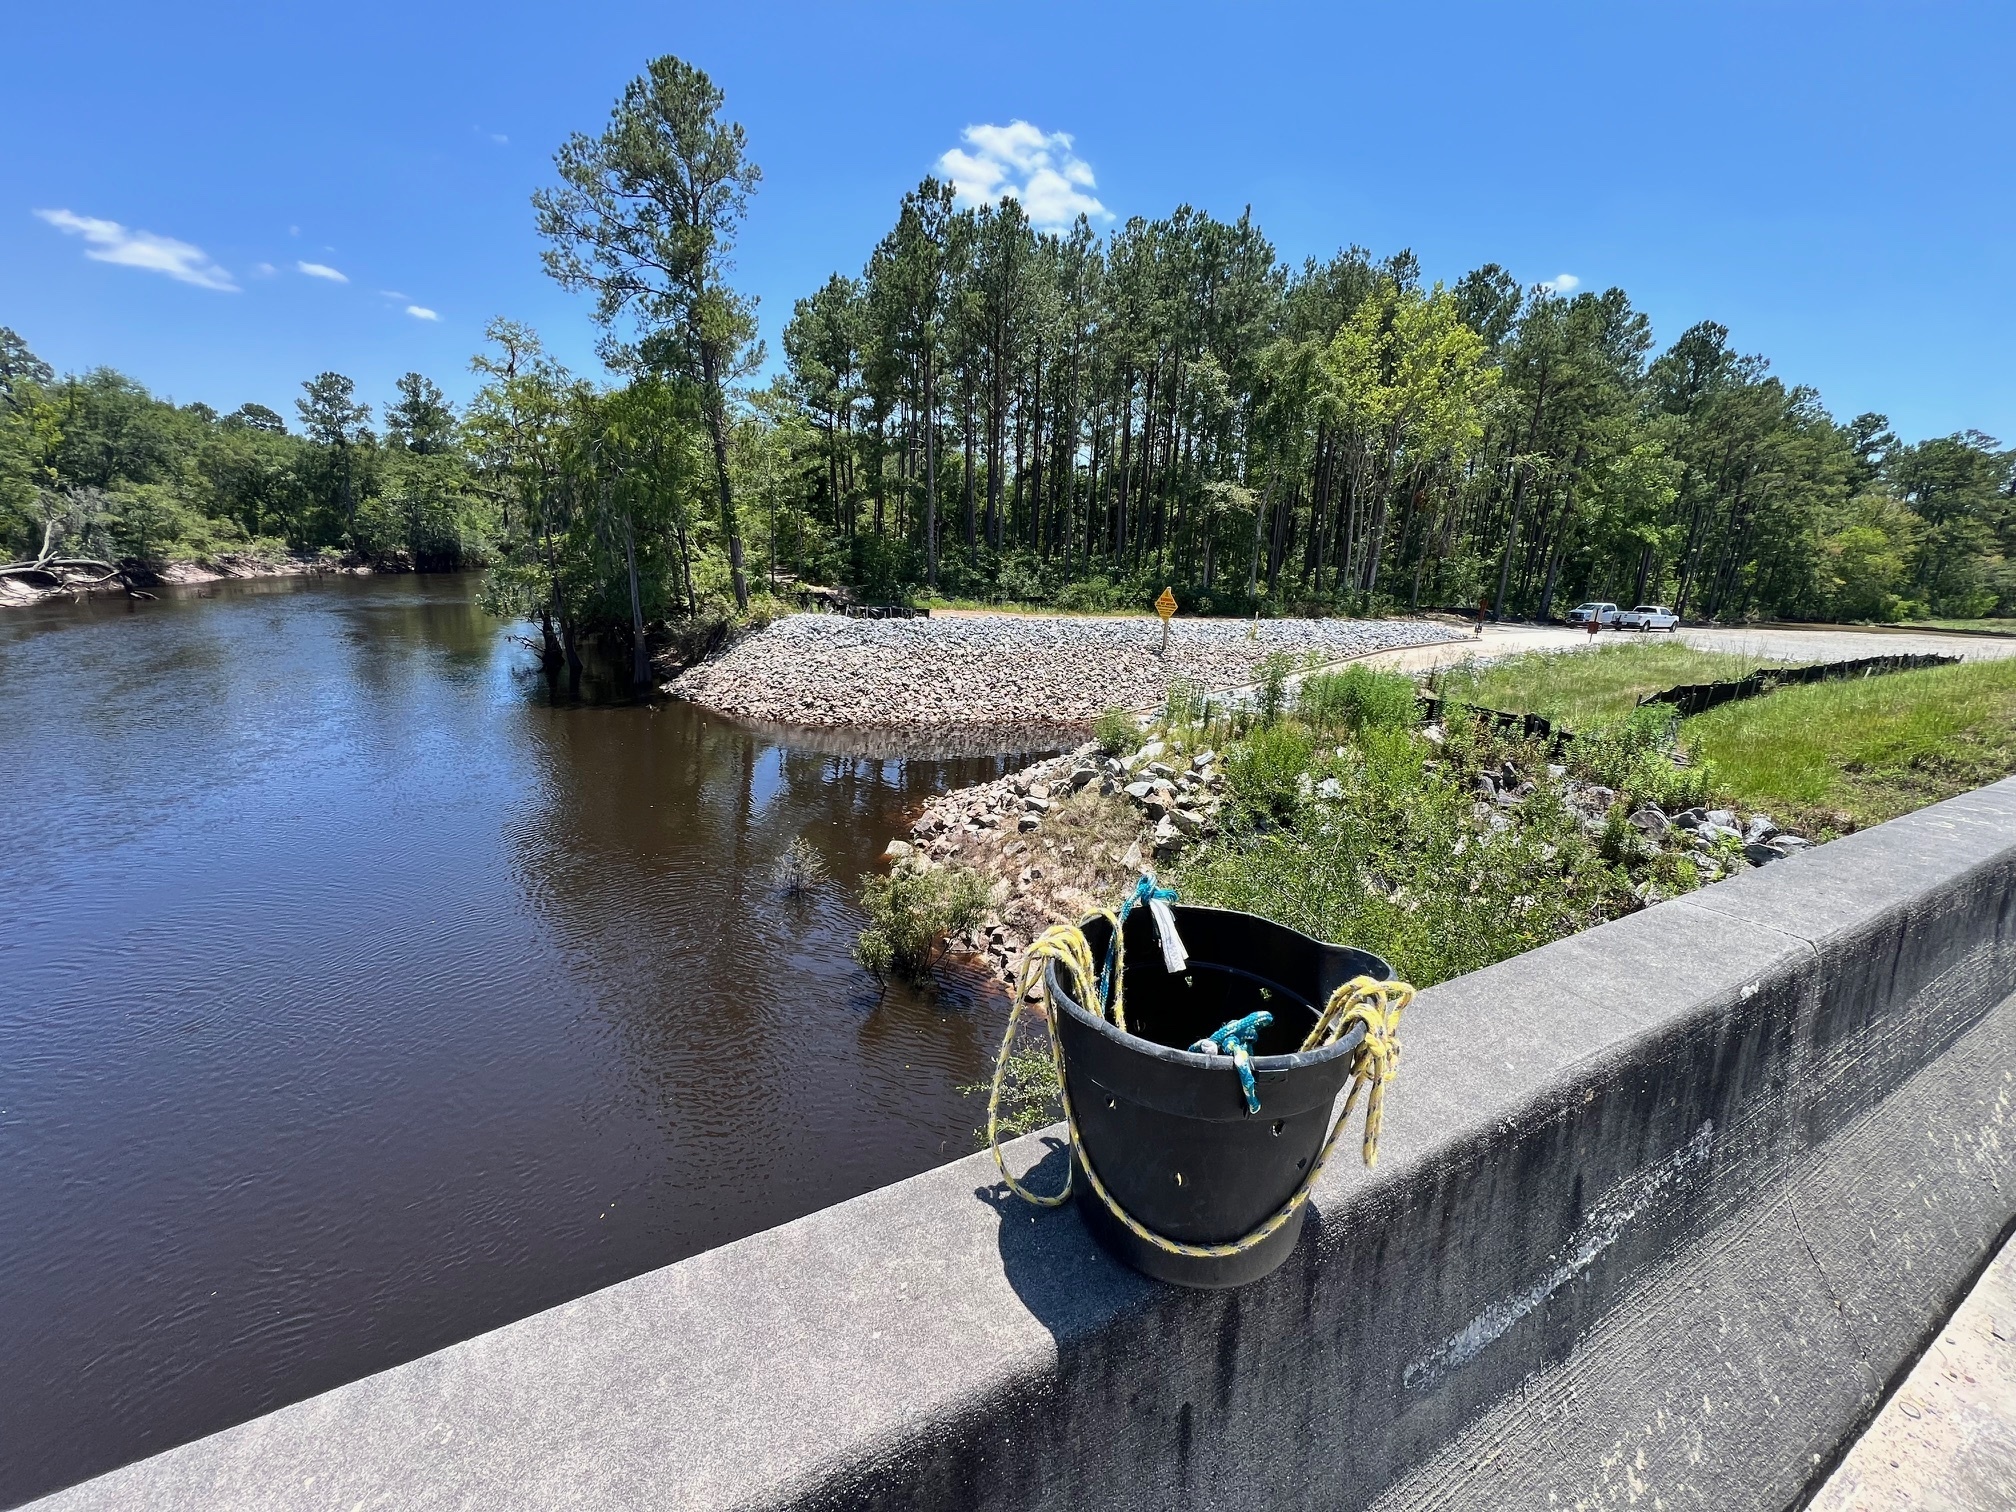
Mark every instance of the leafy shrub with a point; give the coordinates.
(1086, 596)
(881, 568)
(1357, 698)
(910, 913)
(1184, 705)
(1619, 841)
(1116, 732)
(153, 523)
(1265, 771)
(1657, 779)
(1030, 1097)
(1639, 757)
(1020, 578)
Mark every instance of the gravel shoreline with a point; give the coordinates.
(991, 670)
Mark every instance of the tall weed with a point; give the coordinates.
(1357, 698)
(1270, 695)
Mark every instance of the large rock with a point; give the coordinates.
(1650, 822)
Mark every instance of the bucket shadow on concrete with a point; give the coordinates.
(1106, 1319)
(1066, 1280)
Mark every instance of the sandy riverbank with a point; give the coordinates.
(227, 567)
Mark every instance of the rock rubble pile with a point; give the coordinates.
(1065, 836)
(1718, 841)
(1060, 838)
(815, 669)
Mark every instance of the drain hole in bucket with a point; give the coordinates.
(1179, 1178)
(1277, 1127)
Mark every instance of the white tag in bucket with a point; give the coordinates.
(1174, 956)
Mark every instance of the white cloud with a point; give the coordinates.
(322, 270)
(394, 294)
(1031, 165)
(421, 312)
(108, 241)
(264, 270)
(500, 139)
(1561, 283)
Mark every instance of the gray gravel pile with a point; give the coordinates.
(816, 669)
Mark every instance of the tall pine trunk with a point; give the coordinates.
(972, 537)
(715, 406)
(930, 472)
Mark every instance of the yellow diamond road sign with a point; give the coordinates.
(1166, 604)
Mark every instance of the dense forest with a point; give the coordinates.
(994, 411)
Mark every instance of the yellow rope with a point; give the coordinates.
(1065, 944)
(1377, 1005)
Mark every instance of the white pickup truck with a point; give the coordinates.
(1648, 617)
(1603, 614)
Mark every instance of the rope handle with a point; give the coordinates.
(1378, 1005)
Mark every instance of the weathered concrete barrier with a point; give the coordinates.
(1662, 1209)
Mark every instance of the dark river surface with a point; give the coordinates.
(354, 999)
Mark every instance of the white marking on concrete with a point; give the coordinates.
(1606, 1222)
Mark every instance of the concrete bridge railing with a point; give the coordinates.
(1662, 1210)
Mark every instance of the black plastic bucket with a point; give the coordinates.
(1168, 1129)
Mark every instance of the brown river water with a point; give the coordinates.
(356, 998)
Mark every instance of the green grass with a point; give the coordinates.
(1989, 626)
(1838, 756)
(1585, 689)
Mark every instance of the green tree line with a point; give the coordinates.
(995, 411)
(1079, 418)
(96, 463)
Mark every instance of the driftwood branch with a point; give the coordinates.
(71, 574)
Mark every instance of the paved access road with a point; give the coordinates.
(1773, 645)
(1795, 645)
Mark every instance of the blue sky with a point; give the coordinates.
(1831, 181)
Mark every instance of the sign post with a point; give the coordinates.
(1166, 607)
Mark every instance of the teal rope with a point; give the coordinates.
(1236, 1040)
(1144, 890)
